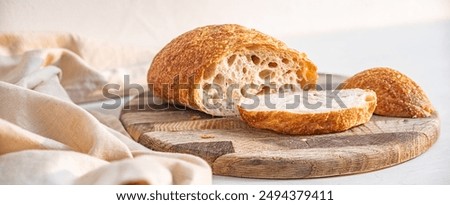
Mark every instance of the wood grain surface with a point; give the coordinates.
(234, 149)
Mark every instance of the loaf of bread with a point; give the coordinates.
(213, 68)
(397, 94)
(312, 112)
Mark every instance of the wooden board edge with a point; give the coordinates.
(308, 166)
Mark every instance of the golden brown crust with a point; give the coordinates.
(398, 95)
(310, 123)
(196, 53)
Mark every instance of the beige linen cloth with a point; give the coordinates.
(46, 138)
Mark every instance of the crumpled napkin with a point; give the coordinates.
(46, 138)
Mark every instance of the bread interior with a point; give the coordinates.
(310, 101)
(247, 74)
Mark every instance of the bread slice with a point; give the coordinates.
(212, 68)
(398, 95)
(309, 112)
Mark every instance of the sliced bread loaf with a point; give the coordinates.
(309, 112)
(211, 68)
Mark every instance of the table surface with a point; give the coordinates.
(421, 51)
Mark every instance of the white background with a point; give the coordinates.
(155, 22)
(341, 37)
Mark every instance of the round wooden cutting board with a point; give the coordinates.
(234, 149)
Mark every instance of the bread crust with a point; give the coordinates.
(196, 53)
(311, 123)
(398, 95)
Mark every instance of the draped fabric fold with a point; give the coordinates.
(46, 138)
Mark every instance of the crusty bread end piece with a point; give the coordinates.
(212, 68)
(397, 94)
(311, 112)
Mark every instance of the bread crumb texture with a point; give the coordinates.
(221, 64)
(305, 121)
